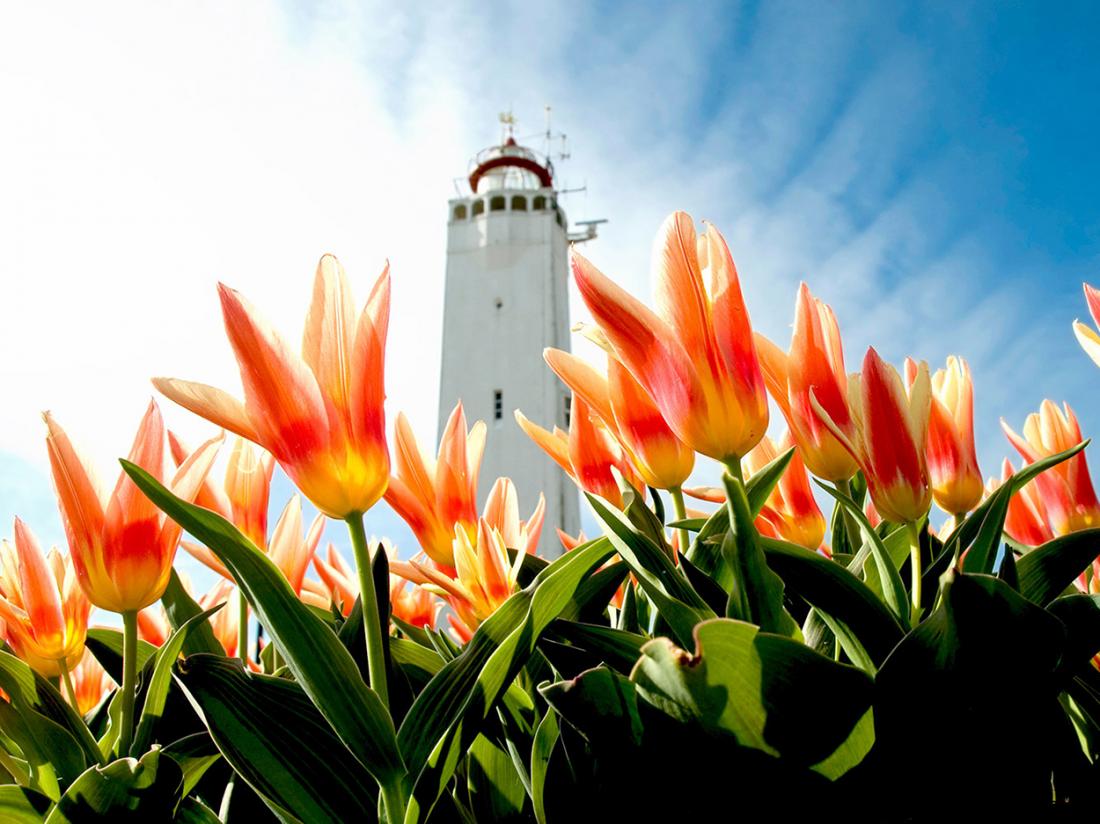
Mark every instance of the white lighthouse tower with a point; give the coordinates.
(506, 300)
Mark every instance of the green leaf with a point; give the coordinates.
(314, 654)
(156, 693)
(675, 599)
(984, 549)
(835, 591)
(181, 608)
(447, 715)
(193, 811)
(757, 591)
(766, 691)
(546, 736)
(195, 754)
(277, 741)
(1081, 616)
(618, 648)
(760, 486)
(51, 753)
(496, 792)
(892, 588)
(20, 805)
(126, 790)
(106, 645)
(600, 703)
(1046, 571)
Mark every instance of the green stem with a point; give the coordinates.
(680, 509)
(394, 800)
(851, 528)
(129, 680)
(242, 628)
(915, 570)
(376, 660)
(67, 679)
(733, 467)
(959, 518)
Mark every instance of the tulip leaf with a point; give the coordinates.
(1046, 571)
(319, 662)
(181, 608)
(193, 811)
(893, 590)
(496, 791)
(51, 754)
(195, 754)
(616, 647)
(447, 715)
(106, 645)
(277, 741)
(764, 690)
(27, 690)
(546, 736)
(675, 599)
(21, 805)
(984, 549)
(126, 790)
(757, 592)
(760, 486)
(836, 592)
(156, 692)
(1080, 614)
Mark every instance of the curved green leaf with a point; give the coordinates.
(546, 736)
(181, 608)
(126, 790)
(106, 645)
(195, 754)
(19, 805)
(1045, 572)
(319, 662)
(277, 741)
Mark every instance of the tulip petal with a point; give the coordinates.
(39, 590)
(78, 496)
(216, 405)
(329, 332)
(553, 444)
(581, 378)
(1089, 340)
(680, 296)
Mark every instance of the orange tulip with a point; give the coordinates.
(320, 414)
(227, 620)
(1067, 493)
(791, 512)
(952, 459)
(415, 606)
(122, 545)
(814, 368)
(243, 498)
(153, 625)
(661, 459)
(339, 582)
(288, 548)
(43, 612)
(695, 356)
(1086, 335)
(433, 499)
(91, 683)
(889, 438)
(1026, 520)
(587, 453)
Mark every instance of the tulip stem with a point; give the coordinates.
(129, 680)
(915, 570)
(376, 659)
(680, 509)
(855, 540)
(242, 627)
(67, 679)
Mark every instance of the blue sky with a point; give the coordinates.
(929, 169)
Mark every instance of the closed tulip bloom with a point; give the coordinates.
(289, 548)
(660, 458)
(814, 368)
(432, 497)
(1067, 493)
(587, 453)
(1087, 336)
(122, 545)
(952, 459)
(319, 413)
(1026, 520)
(890, 433)
(695, 355)
(43, 612)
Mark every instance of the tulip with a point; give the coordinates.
(660, 459)
(952, 460)
(587, 453)
(1067, 493)
(320, 414)
(791, 512)
(695, 356)
(1026, 520)
(122, 545)
(433, 499)
(416, 606)
(153, 625)
(224, 622)
(43, 612)
(91, 684)
(1086, 335)
(338, 579)
(814, 368)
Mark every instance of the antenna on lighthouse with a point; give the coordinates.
(508, 126)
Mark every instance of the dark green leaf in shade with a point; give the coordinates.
(1045, 572)
(124, 791)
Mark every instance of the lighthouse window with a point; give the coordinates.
(479, 207)
(519, 203)
(498, 405)
(497, 204)
(539, 203)
(460, 212)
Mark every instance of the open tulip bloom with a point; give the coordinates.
(767, 651)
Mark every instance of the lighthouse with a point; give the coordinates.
(506, 299)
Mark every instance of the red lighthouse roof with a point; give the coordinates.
(496, 162)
